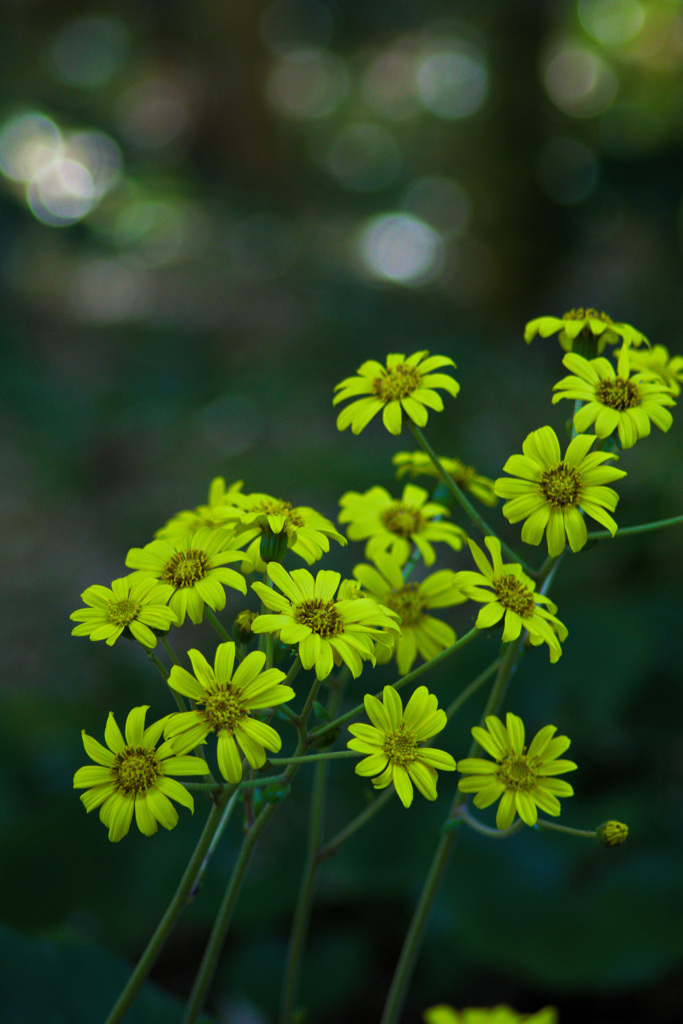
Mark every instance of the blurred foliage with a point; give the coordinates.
(211, 213)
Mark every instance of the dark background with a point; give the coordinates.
(192, 255)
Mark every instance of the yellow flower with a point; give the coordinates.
(657, 360)
(328, 631)
(484, 1015)
(134, 609)
(615, 401)
(193, 566)
(419, 464)
(392, 743)
(405, 384)
(583, 330)
(420, 633)
(259, 518)
(522, 779)
(552, 490)
(132, 777)
(189, 521)
(225, 701)
(506, 592)
(392, 524)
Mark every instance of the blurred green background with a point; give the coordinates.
(211, 213)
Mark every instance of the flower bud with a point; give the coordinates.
(273, 545)
(241, 627)
(612, 833)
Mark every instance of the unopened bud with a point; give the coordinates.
(273, 545)
(612, 833)
(241, 627)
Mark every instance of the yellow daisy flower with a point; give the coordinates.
(225, 701)
(553, 490)
(189, 521)
(392, 743)
(657, 360)
(583, 330)
(261, 521)
(419, 464)
(404, 385)
(132, 777)
(393, 524)
(502, 1014)
(193, 566)
(420, 633)
(507, 593)
(134, 609)
(615, 401)
(328, 631)
(522, 779)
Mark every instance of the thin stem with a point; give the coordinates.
(457, 493)
(308, 758)
(361, 819)
(218, 933)
(182, 897)
(414, 936)
(550, 826)
(159, 665)
(470, 690)
(659, 524)
(484, 830)
(403, 681)
(213, 619)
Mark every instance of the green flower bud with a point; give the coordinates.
(273, 545)
(241, 627)
(612, 833)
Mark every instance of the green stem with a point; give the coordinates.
(457, 493)
(659, 524)
(403, 681)
(307, 758)
(302, 913)
(470, 690)
(361, 819)
(418, 924)
(492, 833)
(180, 703)
(218, 933)
(213, 619)
(182, 897)
(550, 826)
(169, 650)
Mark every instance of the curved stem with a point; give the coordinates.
(659, 524)
(409, 678)
(184, 893)
(456, 492)
(213, 619)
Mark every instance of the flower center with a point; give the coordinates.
(397, 383)
(618, 394)
(121, 613)
(400, 746)
(280, 508)
(402, 519)
(562, 485)
(516, 772)
(585, 314)
(514, 595)
(135, 769)
(186, 568)
(223, 707)
(408, 603)
(321, 617)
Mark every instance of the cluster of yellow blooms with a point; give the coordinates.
(380, 614)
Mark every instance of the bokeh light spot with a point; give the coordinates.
(578, 81)
(401, 248)
(388, 86)
(307, 84)
(29, 142)
(452, 79)
(611, 22)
